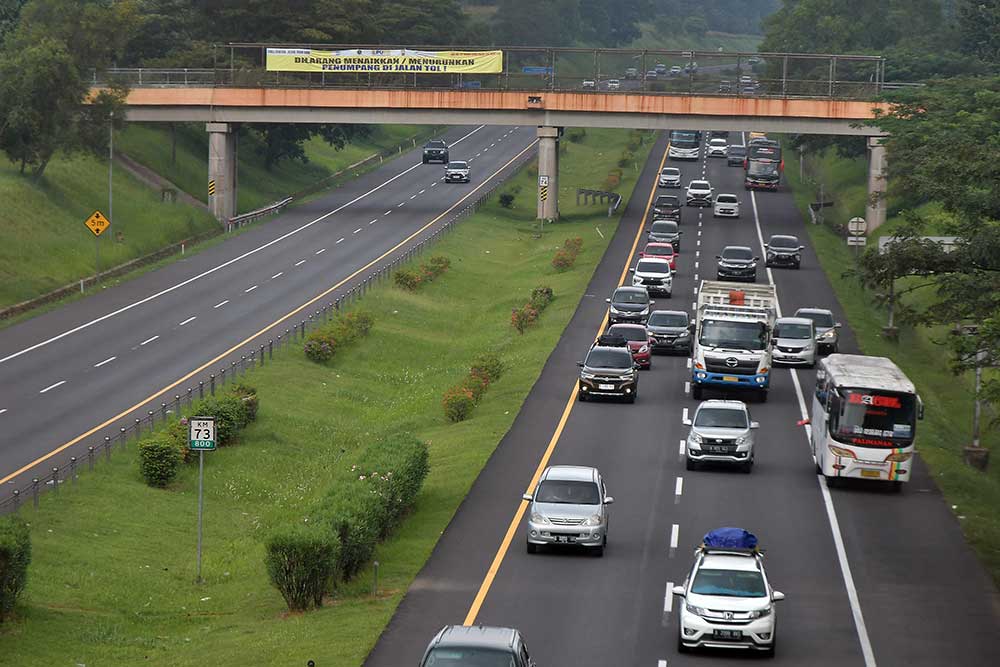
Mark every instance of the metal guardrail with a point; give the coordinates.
(246, 218)
(64, 469)
(613, 198)
(786, 75)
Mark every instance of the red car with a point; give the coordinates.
(664, 250)
(639, 343)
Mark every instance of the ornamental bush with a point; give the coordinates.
(506, 200)
(574, 246)
(230, 413)
(523, 317)
(159, 459)
(408, 279)
(458, 403)
(563, 260)
(319, 347)
(353, 518)
(476, 384)
(248, 394)
(438, 264)
(301, 563)
(15, 555)
(541, 297)
(489, 365)
(322, 344)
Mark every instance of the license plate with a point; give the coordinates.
(730, 378)
(871, 473)
(565, 538)
(606, 387)
(717, 450)
(728, 634)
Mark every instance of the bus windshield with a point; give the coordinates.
(759, 168)
(739, 335)
(874, 419)
(682, 139)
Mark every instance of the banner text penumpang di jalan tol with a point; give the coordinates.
(402, 62)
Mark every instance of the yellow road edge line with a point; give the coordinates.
(491, 573)
(234, 348)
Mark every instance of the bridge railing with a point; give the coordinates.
(665, 72)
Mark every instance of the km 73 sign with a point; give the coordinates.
(202, 433)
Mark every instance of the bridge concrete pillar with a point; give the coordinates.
(876, 209)
(221, 170)
(548, 173)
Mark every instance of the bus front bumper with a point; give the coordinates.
(704, 378)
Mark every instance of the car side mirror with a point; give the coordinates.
(754, 424)
(679, 590)
(837, 325)
(528, 497)
(607, 301)
(580, 364)
(777, 596)
(652, 301)
(631, 270)
(802, 247)
(687, 422)
(608, 500)
(920, 408)
(756, 259)
(718, 256)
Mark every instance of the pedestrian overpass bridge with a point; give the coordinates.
(790, 94)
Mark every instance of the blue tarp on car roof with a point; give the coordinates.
(730, 538)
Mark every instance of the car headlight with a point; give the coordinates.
(594, 520)
(798, 256)
(644, 311)
(698, 611)
(538, 518)
(761, 613)
(827, 335)
(614, 310)
(684, 334)
(644, 349)
(742, 440)
(771, 255)
(696, 438)
(587, 376)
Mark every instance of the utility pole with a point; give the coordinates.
(111, 168)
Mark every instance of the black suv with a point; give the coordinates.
(629, 304)
(783, 251)
(737, 263)
(609, 371)
(477, 645)
(665, 231)
(670, 331)
(667, 207)
(435, 151)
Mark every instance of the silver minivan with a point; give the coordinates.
(569, 506)
(721, 432)
(794, 341)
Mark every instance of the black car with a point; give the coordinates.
(669, 330)
(609, 371)
(665, 231)
(735, 155)
(667, 207)
(737, 263)
(477, 645)
(435, 151)
(718, 134)
(629, 304)
(783, 251)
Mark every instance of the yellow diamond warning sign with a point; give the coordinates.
(97, 223)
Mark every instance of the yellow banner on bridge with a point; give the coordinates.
(384, 61)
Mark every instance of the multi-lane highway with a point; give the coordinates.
(871, 577)
(82, 369)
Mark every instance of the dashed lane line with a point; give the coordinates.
(52, 386)
(221, 304)
(148, 341)
(356, 230)
(321, 251)
(188, 320)
(300, 262)
(675, 532)
(277, 275)
(250, 289)
(340, 240)
(106, 361)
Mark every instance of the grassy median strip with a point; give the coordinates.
(111, 581)
(947, 427)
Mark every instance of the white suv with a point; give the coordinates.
(670, 177)
(728, 602)
(721, 432)
(726, 206)
(718, 148)
(654, 274)
(699, 193)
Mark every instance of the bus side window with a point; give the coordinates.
(821, 387)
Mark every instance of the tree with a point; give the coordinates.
(979, 22)
(10, 11)
(284, 141)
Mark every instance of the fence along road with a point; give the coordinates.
(918, 585)
(134, 340)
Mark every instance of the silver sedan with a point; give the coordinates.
(569, 506)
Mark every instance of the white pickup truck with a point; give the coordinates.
(732, 338)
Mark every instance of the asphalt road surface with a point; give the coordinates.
(871, 577)
(86, 364)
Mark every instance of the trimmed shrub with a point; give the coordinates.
(177, 434)
(319, 348)
(541, 297)
(301, 563)
(407, 279)
(438, 264)
(360, 322)
(230, 412)
(574, 245)
(506, 200)
(563, 260)
(15, 555)
(322, 344)
(159, 459)
(248, 394)
(522, 318)
(394, 471)
(458, 403)
(352, 517)
(489, 365)
(476, 384)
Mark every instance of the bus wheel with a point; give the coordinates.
(762, 396)
(896, 486)
(696, 392)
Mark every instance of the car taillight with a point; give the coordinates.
(843, 452)
(898, 457)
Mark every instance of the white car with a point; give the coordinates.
(727, 601)
(670, 177)
(655, 275)
(794, 341)
(614, 84)
(675, 70)
(718, 148)
(726, 206)
(699, 193)
(589, 83)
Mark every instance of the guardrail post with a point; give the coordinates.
(222, 378)
(163, 411)
(90, 458)
(243, 365)
(201, 389)
(178, 402)
(261, 355)
(55, 479)
(233, 373)
(303, 328)
(34, 491)
(72, 470)
(152, 420)
(17, 499)
(211, 384)
(138, 428)
(122, 438)
(270, 349)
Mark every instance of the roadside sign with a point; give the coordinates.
(857, 240)
(543, 192)
(543, 181)
(202, 433)
(211, 187)
(857, 226)
(536, 70)
(97, 223)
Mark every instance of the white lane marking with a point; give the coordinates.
(249, 289)
(695, 290)
(277, 275)
(679, 486)
(340, 240)
(434, 185)
(694, 306)
(188, 320)
(387, 212)
(699, 232)
(675, 532)
(697, 253)
(661, 663)
(599, 232)
(3, 411)
(687, 387)
(221, 304)
(106, 361)
(400, 204)
(696, 266)
(321, 251)
(698, 243)
(53, 386)
(219, 267)
(148, 340)
(486, 150)
(668, 604)
(493, 144)
(684, 415)
(413, 196)
(831, 511)
(300, 262)
(696, 277)
(680, 451)
(422, 192)
(356, 230)
(373, 221)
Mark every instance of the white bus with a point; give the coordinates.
(864, 419)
